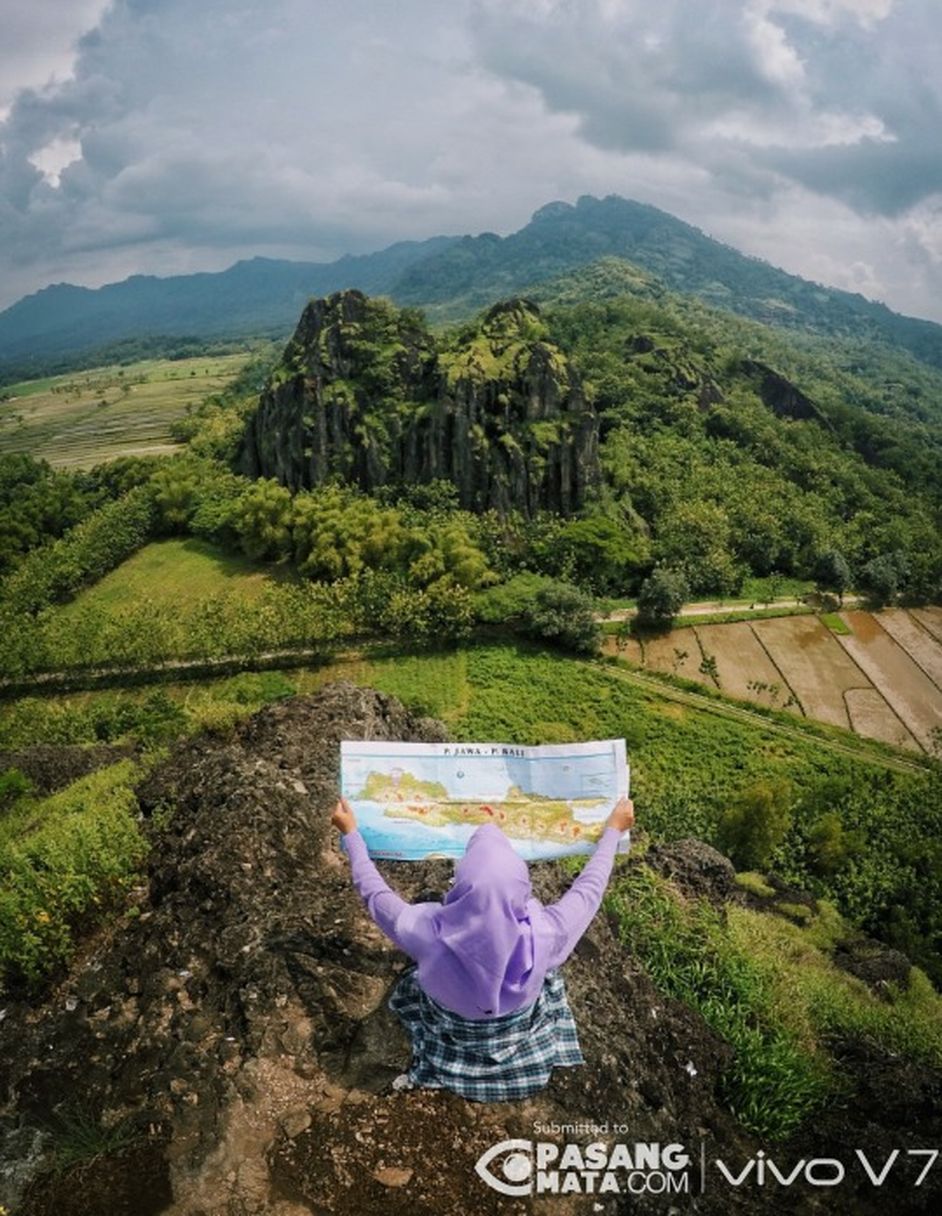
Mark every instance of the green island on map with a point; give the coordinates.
(518, 813)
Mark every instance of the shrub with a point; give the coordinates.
(661, 597)
(85, 853)
(13, 786)
(830, 845)
(755, 824)
(509, 602)
(563, 614)
(832, 573)
(83, 555)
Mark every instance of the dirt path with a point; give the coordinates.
(715, 607)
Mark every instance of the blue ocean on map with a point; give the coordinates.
(402, 839)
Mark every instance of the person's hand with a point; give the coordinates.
(622, 816)
(343, 817)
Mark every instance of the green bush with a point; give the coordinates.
(755, 824)
(508, 603)
(564, 615)
(57, 571)
(14, 785)
(830, 845)
(661, 597)
(67, 872)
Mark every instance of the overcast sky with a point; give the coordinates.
(166, 136)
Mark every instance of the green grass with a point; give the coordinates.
(178, 573)
(65, 861)
(77, 1137)
(766, 987)
(774, 1083)
(81, 418)
(755, 884)
(758, 590)
(722, 618)
(835, 623)
(728, 618)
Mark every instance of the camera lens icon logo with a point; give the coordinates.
(516, 1168)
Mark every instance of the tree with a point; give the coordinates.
(263, 519)
(832, 573)
(829, 845)
(595, 553)
(755, 824)
(563, 614)
(661, 597)
(880, 578)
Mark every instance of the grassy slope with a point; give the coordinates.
(177, 573)
(61, 418)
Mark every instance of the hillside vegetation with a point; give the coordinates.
(454, 278)
(433, 520)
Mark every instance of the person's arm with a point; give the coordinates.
(571, 915)
(382, 902)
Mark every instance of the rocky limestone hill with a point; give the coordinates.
(238, 1026)
(364, 392)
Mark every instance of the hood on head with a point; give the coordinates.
(491, 864)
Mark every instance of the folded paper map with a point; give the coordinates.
(416, 800)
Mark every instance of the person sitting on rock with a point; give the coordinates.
(485, 1005)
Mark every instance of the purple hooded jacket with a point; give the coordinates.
(485, 949)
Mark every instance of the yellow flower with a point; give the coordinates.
(43, 918)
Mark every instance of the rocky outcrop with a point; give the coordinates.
(783, 398)
(235, 1037)
(364, 393)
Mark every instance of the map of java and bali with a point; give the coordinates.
(417, 800)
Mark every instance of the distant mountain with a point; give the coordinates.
(474, 271)
(255, 297)
(453, 277)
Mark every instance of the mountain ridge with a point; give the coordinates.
(453, 277)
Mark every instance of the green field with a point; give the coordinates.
(81, 418)
(177, 573)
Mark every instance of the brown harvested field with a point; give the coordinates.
(658, 653)
(741, 660)
(883, 680)
(922, 646)
(930, 619)
(676, 652)
(812, 662)
(871, 716)
(624, 648)
(905, 686)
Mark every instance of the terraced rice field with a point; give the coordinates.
(882, 679)
(81, 418)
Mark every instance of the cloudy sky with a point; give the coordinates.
(166, 136)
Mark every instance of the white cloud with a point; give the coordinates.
(228, 128)
(38, 43)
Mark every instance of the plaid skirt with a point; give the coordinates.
(488, 1059)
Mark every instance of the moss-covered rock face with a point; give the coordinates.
(364, 392)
